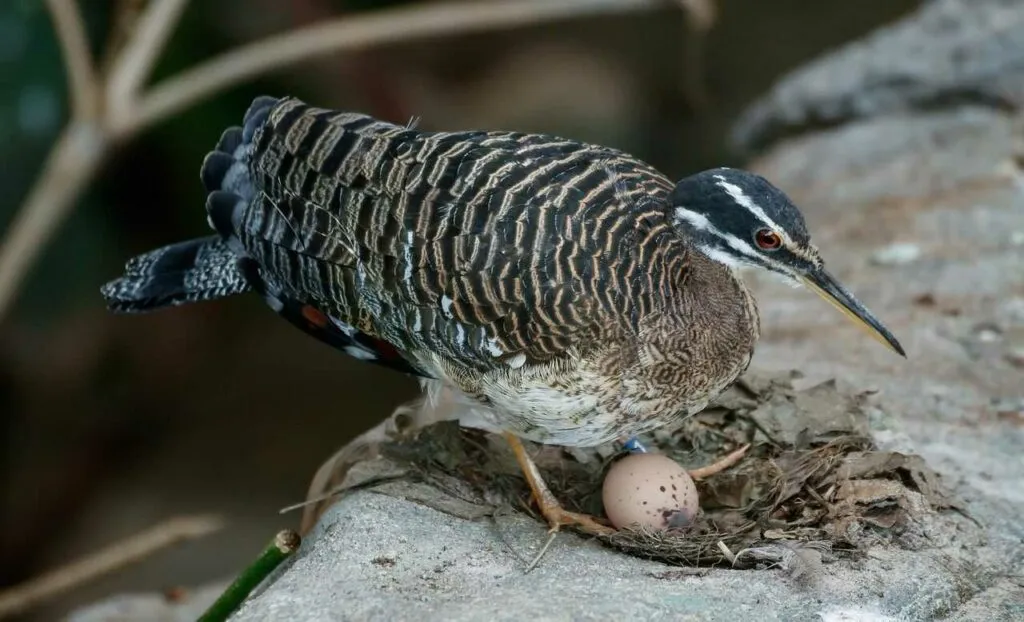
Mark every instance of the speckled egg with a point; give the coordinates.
(651, 490)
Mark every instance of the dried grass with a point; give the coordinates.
(792, 490)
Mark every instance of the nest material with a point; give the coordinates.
(813, 482)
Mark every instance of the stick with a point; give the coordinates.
(700, 16)
(136, 59)
(124, 112)
(280, 548)
(73, 160)
(19, 598)
(721, 465)
(360, 31)
(540, 554)
(74, 46)
(729, 555)
(703, 13)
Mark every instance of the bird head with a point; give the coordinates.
(740, 219)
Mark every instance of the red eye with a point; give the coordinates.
(767, 239)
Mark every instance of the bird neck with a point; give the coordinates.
(714, 289)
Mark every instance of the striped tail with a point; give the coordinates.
(186, 272)
(204, 268)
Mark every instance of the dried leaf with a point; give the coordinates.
(910, 469)
(799, 419)
(729, 491)
(820, 478)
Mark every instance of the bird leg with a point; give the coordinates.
(634, 446)
(556, 515)
(720, 465)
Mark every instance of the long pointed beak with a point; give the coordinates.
(826, 286)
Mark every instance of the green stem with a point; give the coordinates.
(283, 545)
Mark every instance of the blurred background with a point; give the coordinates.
(113, 423)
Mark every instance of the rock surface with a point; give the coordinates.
(948, 53)
(181, 607)
(946, 180)
(375, 557)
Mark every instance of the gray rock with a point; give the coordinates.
(151, 607)
(375, 557)
(379, 557)
(949, 52)
(945, 180)
(896, 254)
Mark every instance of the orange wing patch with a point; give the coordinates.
(315, 316)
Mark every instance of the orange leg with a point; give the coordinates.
(633, 445)
(549, 506)
(721, 465)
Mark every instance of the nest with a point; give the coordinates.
(812, 485)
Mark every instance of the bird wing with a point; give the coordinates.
(476, 246)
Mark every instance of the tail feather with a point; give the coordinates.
(204, 268)
(190, 271)
(226, 176)
(257, 115)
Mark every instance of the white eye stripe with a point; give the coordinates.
(738, 244)
(701, 222)
(743, 200)
(741, 248)
(721, 256)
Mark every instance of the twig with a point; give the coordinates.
(122, 25)
(360, 31)
(67, 21)
(544, 549)
(121, 112)
(81, 148)
(702, 13)
(283, 545)
(727, 552)
(700, 16)
(135, 61)
(721, 465)
(73, 160)
(19, 598)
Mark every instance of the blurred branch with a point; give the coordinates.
(723, 464)
(121, 112)
(126, 15)
(72, 162)
(359, 31)
(85, 142)
(702, 13)
(67, 21)
(135, 61)
(700, 16)
(19, 598)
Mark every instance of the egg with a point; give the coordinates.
(650, 490)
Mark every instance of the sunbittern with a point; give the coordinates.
(568, 293)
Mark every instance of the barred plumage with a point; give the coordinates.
(542, 277)
(564, 292)
(182, 273)
(569, 291)
(523, 268)
(480, 241)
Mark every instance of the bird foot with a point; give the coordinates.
(721, 465)
(553, 512)
(634, 446)
(559, 517)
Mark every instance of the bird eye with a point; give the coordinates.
(767, 239)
